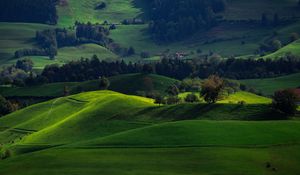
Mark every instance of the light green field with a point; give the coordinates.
(84, 11)
(270, 85)
(293, 49)
(100, 130)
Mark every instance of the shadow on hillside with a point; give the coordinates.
(211, 111)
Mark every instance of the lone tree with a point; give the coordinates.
(103, 83)
(211, 88)
(285, 101)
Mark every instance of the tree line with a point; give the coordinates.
(29, 11)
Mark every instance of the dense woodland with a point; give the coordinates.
(86, 69)
(174, 20)
(41, 11)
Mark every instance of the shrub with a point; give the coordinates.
(191, 98)
(285, 101)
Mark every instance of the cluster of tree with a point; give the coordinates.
(285, 101)
(133, 21)
(29, 11)
(30, 52)
(50, 40)
(173, 20)
(212, 89)
(266, 21)
(16, 74)
(88, 69)
(6, 106)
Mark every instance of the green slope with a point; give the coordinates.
(84, 11)
(293, 49)
(206, 133)
(156, 161)
(55, 121)
(14, 36)
(270, 85)
(103, 129)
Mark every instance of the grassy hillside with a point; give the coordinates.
(293, 49)
(128, 84)
(55, 121)
(157, 161)
(270, 85)
(205, 133)
(14, 36)
(244, 10)
(102, 129)
(84, 11)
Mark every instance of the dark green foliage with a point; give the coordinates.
(159, 99)
(171, 100)
(264, 19)
(130, 51)
(212, 88)
(173, 90)
(148, 69)
(175, 68)
(174, 20)
(103, 83)
(100, 6)
(285, 101)
(5, 106)
(294, 36)
(29, 11)
(145, 54)
(191, 98)
(25, 64)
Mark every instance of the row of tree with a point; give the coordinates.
(88, 69)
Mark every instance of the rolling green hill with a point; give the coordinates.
(100, 130)
(269, 85)
(16, 36)
(224, 39)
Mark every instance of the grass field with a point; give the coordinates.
(102, 130)
(293, 49)
(270, 85)
(84, 11)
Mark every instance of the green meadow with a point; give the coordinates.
(269, 85)
(131, 132)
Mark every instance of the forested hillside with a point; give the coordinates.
(29, 11)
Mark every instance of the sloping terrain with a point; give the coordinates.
(128, 84)
(269, 85)
(93, 132)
